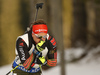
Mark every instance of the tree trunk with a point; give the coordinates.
(56, 22)
(67, 22)
(79, 24)
(93, 21)
(97, 21)
(91, 28)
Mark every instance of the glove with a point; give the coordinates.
(39, 47)
(41, 60)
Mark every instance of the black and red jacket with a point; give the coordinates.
(25, 56)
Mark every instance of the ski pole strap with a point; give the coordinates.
(35, 51)
(13, 69)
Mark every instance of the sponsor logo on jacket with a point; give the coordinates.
(22, 52)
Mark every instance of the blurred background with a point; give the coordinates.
(75, 24)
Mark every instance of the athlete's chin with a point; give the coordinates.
(37, 41)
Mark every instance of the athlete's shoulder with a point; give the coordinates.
(51, 42)
(24, 37)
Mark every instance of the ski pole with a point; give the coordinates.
(38, 5)
(13, 69)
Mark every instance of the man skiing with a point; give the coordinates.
(34, 49)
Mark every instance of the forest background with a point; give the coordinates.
(79, 20)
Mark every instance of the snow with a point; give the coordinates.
(73, 53)
(71, 69)
(77, 68)
(85, 69)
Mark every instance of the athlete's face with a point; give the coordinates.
(39, 36)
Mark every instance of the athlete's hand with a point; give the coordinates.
(39, 47)
(41, 60)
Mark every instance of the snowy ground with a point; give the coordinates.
(79, 68)
(71, 69)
